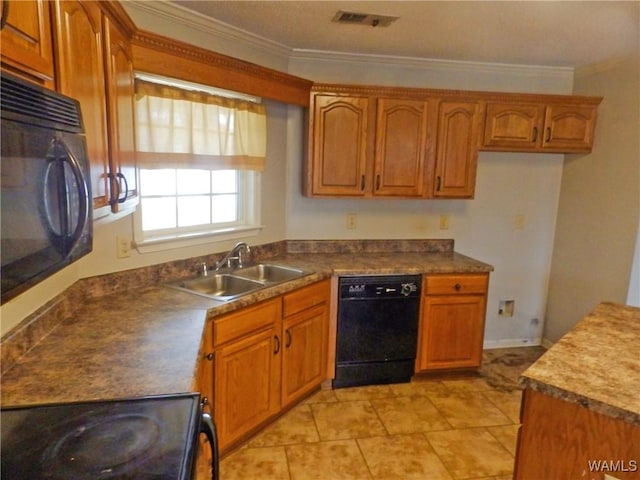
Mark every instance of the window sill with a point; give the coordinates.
(187, 240)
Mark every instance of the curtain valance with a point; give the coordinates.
(179, 128)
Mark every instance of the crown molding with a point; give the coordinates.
(210, 26)
(319, 56)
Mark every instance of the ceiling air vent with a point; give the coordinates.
(363, 19)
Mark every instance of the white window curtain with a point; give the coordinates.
(178, 128)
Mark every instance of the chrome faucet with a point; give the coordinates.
(235, 254)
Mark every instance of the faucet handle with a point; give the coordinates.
(241, 259)
(204, 270)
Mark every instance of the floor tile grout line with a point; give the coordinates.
(453, 476)
(438, 456)
(364, 458)
(506, 414)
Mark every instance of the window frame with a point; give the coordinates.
(249, 223)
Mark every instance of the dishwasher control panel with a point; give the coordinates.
(377, 286)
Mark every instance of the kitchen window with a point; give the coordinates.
(199, 155)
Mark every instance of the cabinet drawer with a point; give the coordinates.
(306, 297)
(247, 320)
(455, 284)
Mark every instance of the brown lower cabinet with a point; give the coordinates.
(561, 440)
(452, 319)
(266, 357)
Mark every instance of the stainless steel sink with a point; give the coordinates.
(235, 283)
(220, 286)
(268, 273)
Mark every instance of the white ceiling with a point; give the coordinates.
(548, 33)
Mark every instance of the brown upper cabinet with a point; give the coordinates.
(400, 158)
(27, 45)
(457, 149)
(120, 90)
(94, 65)
(384, 143)
(339, 126)
(368, 141)
(366, 146)
(81, 75)
(540, 127)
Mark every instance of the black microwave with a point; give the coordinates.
(45, 189)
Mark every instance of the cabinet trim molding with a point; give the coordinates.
(162, 55)
(418, 93)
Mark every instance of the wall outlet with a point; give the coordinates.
(352, 221)
(444, 221)
(123, 246)
(506, 308)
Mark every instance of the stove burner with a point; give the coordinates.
(101, 448)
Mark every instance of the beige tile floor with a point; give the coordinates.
(436, 428)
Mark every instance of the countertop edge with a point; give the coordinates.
(595, 364)
(572, 397)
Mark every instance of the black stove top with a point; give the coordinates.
(141, 438)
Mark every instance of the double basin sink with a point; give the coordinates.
(235, 283)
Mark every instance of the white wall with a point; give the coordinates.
(599, 205)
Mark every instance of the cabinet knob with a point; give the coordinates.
(438, 183)
(458, 287)
(535, 135)
(362, 182)
(548, 135)
(209, 356)
(288, 341)
(204, 401)
(277, 347)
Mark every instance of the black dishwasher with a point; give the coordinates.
(377, 329)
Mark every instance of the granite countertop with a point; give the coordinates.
(146, 340)
(596, 364)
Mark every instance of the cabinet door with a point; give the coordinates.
(401, 147)
(120, 101)
(569, 128)
(206, 370)
(26, 38)
(81, 75)
(304, 354)
(452, 330)
(247, 384)
(513, 126)
(457, 149)
(338, 146)
(205, 387)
